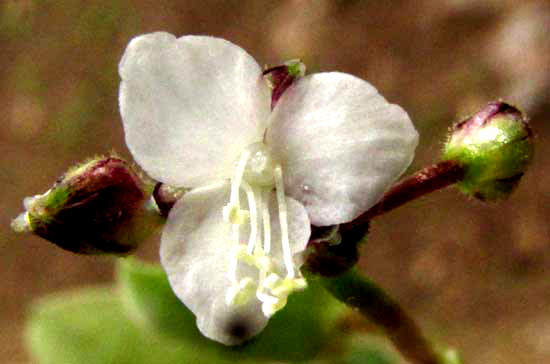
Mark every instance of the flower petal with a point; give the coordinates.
(190, 105)
(341, 145)
(195, 254)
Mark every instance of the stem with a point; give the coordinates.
(363, 294)
(426, 180)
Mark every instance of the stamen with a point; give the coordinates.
(235, 230)
(270, 308)
(232, 213)
(253, 217)
(238, 177)
(260, 282)
(263, 297)
(258, 249)
(236, 254)
(257, 176)
(232, 271)
(263, 262)
(260, 291)
(287, 286)
(240, 293)
(266, 219)
(272, 280)
(283, 220)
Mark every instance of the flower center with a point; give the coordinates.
(260, 166)
(256, 173)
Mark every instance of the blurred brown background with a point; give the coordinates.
(475, 276)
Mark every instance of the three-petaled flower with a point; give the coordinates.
(196, 113)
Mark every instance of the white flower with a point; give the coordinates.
(196, 113)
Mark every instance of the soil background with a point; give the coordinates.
(475, 275)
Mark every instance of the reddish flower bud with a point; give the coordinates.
(89, 210)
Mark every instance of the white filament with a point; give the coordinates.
(238, 177)
(260, 291)
(259, 216)
(266, 221)
(269, 287)
(283, 220)
(232, 271)
(235, 254)
(253, 217)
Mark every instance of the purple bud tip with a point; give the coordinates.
(281, 78)
(487, 114)
(494, 147)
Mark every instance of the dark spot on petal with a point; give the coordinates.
(238, 328)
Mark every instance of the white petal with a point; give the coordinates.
(190, 105)
(195, 254)
(341, 145)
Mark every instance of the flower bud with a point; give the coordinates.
(92, 209)
(494, 147)
(281, 77)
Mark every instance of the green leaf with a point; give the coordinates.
(91, 327)
(149, 300)
(299, 331)
(368, 355)
(370, 349)
(294, 334)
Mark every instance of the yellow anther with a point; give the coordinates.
(272, 281)
(287, 286)
(247, 284)
(264, 263)
(241, 293)
(240, 253)
(237, 251)
(233, 214)
(300, 283)
(249, 259)
(270, 308)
